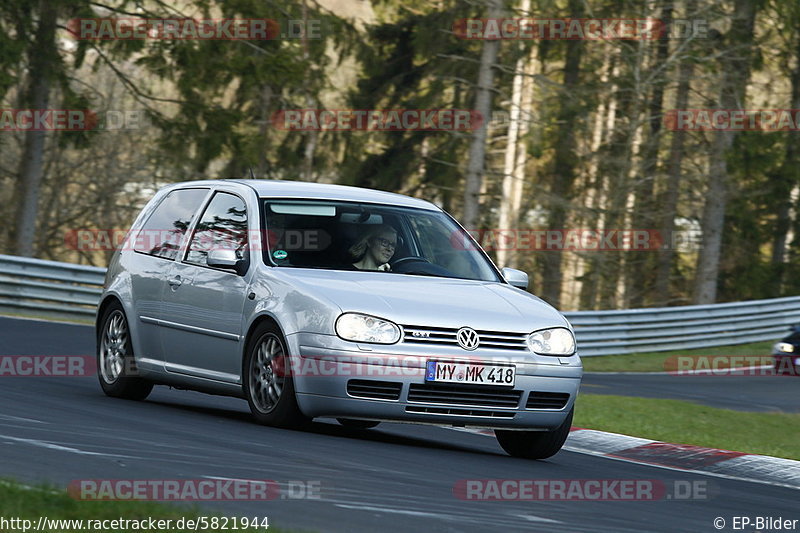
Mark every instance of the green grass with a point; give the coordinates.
(45, 316)
(683, 422)
(19, 501)
(660, 361)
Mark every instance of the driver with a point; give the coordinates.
(375, 248)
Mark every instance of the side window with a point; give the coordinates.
(223, 225)
(164, 232)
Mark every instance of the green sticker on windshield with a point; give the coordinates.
(279, 254)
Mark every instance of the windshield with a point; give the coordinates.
(356, 236)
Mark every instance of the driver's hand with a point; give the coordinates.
(384, 267)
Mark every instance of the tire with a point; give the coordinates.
(267, 380)
(357, 424)
(116, 364)
(535, 444)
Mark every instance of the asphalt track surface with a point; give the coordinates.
(392, 478)
(740, 393)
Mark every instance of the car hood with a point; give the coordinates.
(429, 301)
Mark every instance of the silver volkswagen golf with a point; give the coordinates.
(313, 300)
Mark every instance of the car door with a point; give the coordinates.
(156, 245)
(203, 306)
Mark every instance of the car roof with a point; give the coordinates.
(304, 189)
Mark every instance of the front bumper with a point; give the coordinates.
(332, 379)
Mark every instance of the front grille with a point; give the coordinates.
(459, 412)
(547, 400)
(495, 340)
(374, 390)
(463, 395)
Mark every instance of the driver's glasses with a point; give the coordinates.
(386, 243)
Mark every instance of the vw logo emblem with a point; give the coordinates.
(468, 338)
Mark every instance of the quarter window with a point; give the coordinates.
(164, 232)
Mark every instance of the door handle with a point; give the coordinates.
(175, 282)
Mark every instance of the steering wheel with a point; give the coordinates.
(404, 260)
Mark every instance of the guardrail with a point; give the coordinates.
(685, 327)
(63, 290)
(49, 288)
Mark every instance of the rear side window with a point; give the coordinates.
(164, 232)
(222, 226)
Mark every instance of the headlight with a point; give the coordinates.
(784, 347)
(365, 328)
(554, 341)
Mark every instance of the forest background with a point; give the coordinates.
(580, 135)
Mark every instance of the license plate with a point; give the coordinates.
(470, 373)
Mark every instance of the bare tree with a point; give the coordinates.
(483, 105)
(668, 201)
(623, 149)
(602, 132)
(42, 58)
(788, 177)
(509, 200)
(639, 272)
(564, 162)
(735, 67)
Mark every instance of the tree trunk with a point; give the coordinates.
(639, 276)
(735, 68)
(564, 161)
(787, 178)
(307, 169)
(483, 105)
(42, 54)
(669, 198)
(603, 131)
(522, 174)
(265, 104)
(623, 150)
(508, 216)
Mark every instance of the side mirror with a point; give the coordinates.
(227, 260)
(516, 278)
